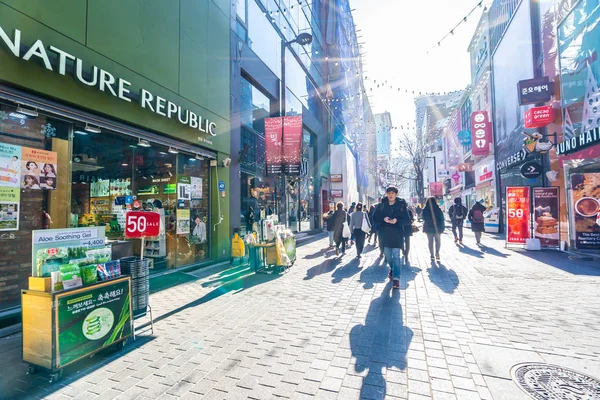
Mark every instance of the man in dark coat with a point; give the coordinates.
(457, 213)
(477, 220)
(329, 223)
(339, 217)
(391, 219)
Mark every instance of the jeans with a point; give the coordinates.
(343, 243)
(459, 225)
(360, 240)
(392, 256)
(478, 236)
(406, 246)
(330, 233)
(437, 237)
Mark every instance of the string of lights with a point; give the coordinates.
(462, 21)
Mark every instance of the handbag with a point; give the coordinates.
(346, 231)
(415, 228)
(366, 228)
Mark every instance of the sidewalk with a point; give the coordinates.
(334, 328)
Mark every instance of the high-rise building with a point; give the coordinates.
(383, 122)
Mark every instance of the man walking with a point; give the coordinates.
(390, 218)
(457, 213)
(330, 223)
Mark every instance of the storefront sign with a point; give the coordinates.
(485, 173)
(141, 224)
(436, 189)
(464, 137)
(465, 167)
(273, 145)
(148, 191)
(456, 178)
(518, 206)
(337, 178)
(538, 117)
(337, 193)
(170, 188)
(586, 210)
(516, 158)
(89, 319)
(531, 170)
(537, 90)
(103, 81)
(39, 169)
(292, 144)
(443, 173)
(586, 139)
(546, 208)
(481, 133)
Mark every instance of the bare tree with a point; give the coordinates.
(412, 147)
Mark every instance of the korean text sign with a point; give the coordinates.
(481, 133)
(292, 144)
(538, 117)
(537, 90)
(141, 224)
(273, 145)
(518, 206)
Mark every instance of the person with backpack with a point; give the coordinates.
(433, 226)
(477, 220)
(357, 218)
(458, 213)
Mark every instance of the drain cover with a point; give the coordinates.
(551, 382)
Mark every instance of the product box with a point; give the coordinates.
(40, 284)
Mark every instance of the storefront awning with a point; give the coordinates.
(41, 103)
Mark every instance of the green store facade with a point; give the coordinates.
(107, 105)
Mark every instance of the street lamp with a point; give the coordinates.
(302, 39)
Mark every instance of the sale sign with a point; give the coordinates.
(518, 206)
(292, 144)
(141, 224)
(481, 133)
(538, 117)
(273, 145)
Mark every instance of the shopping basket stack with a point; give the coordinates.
(140, 283)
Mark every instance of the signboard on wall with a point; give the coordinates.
(436, 189)
(538, 117)
(273, 145)
(481, 133)
(546, 209)
(336, 178)
(518, 206)
(586, 210)
(337, 193)
(537, 90)
(292, 144)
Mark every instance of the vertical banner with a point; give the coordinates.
(196, 187)
(518, 214)
(39, 169)
(586, 212)
(436, 189)
(546, 208)
(273, 145)
(292, 144)
(481, 133)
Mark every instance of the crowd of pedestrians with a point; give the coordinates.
(391, 223)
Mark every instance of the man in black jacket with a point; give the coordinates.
(390, 218)
(458, 214)
(330, 223)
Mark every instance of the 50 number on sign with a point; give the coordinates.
(142, 224)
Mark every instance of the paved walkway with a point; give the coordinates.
(334, 329)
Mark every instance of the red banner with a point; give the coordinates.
(546, 208)
(538, 117)
(292, 144)
(273, 145)
(141, 224)
(481, 133)
(436, 189)
(518, 214)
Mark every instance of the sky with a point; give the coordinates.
(397, 35)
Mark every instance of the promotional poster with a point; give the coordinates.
(292, 144)
(518, 206)
(39, 169)
(546, 208)
(586, 213)
(273, 145)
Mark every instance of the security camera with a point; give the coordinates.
(227, 162)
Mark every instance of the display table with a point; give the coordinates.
(60, 328)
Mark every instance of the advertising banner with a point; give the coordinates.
(292, 144)
(10, 165)
(546, 208)
(481, 133)
(184, 188)
(183, 221)
(196, 187)
(538, 117)
(39, 169)
(141, 224)
(92, 318)
(436, 189)
(518, 215)
(273, 145)
(9, 208)
(586, 210)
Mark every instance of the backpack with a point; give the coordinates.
(478, 217)
(457, 213)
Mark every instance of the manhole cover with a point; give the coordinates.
(551, 382)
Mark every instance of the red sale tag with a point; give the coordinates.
(141, 224)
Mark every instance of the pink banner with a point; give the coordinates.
(273, 145)
(481, 133)
(292, 144)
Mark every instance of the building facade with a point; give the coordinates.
(95, 121)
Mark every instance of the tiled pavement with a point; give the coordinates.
(334, 329)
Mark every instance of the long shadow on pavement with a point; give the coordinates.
(408, 273)
(444, 278)
(375, 273)
(347, 270)
(471, 252)
(563, 262)
(325, 267)
(382, 342)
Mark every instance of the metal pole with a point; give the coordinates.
(282, 111)
(434, 169)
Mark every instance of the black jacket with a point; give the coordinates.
(339, 218)
(391, 235)
(330, 221)
(455, 210)
(433, 221)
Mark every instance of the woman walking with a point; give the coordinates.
(406, 227)
(339, 217)
(356, 223)
(477, 221)
(433, 225)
